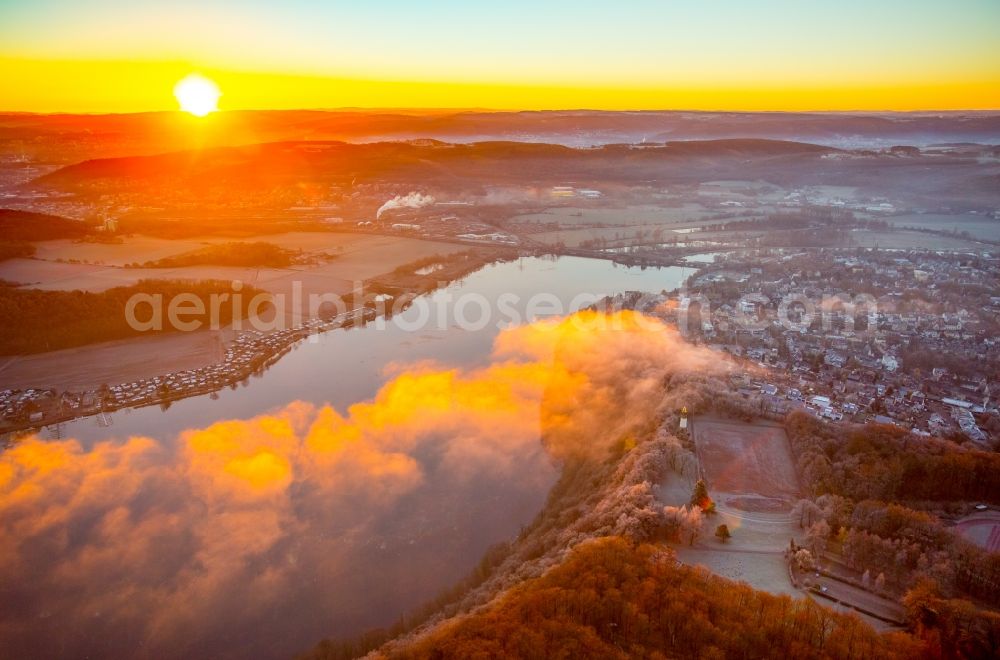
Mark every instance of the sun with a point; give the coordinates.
(197, 95)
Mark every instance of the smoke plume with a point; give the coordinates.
(414, 200)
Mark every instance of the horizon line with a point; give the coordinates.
(459, 110)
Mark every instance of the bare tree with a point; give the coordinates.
(807, 512)
(817, 535)
(684, 522)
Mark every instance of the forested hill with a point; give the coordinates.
(588, 578)
(295, 162)
(614, 599)
(25, 226)
(34, 321)
(70, 138)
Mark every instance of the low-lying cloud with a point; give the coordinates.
(260, 536)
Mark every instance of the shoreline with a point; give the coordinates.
(249, 352)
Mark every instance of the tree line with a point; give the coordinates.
(884, 462)
(615, 599)
(870, 484)
(35, 321)
(258, 254)
(26, 226)
(15, 250)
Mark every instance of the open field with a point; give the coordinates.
(753, 554)
(766, 571)
(139, 248)
(131, 249)
(357, 257)
(44, 274)
(51, 276)
(911, 240)
(752, 531)
(88, 367)
(978, 226)
(748, 469)
(747, 466)
(624, 234)
(981, 528)
(630, 215)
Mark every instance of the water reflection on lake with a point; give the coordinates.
(703, 258)
(341, 367)
(349, 564)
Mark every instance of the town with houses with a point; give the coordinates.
(250, 352)
(922, 353)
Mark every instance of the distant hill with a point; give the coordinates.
(743, 147)
(275, 174)
(25, 226)
(283, 163)
(63, 138)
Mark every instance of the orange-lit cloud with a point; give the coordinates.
(260, 536)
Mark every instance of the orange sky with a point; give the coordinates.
(117, 56)
(112, 86)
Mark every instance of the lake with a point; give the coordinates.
(264, 553)
(340, 367)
